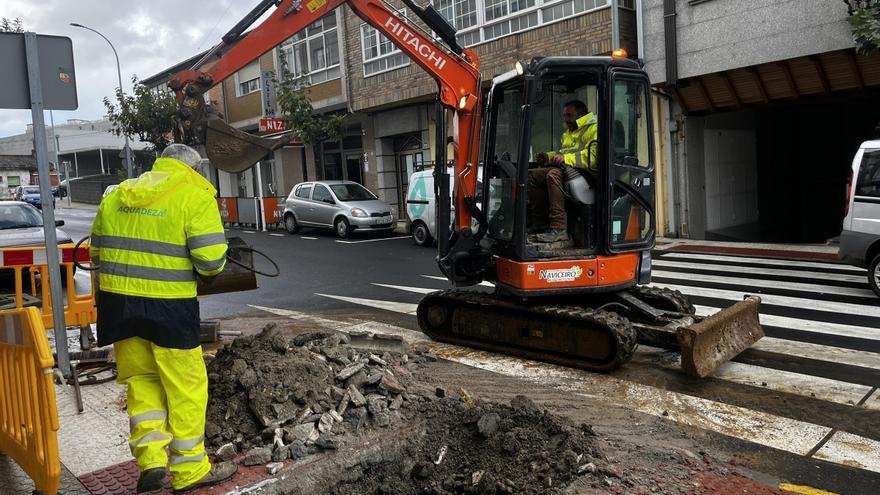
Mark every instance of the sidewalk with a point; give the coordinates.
(61, 204)
(815, 252)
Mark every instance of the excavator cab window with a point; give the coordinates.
(504, 135)
(631, 227)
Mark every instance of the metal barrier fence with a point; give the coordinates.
(251, 211)
(30, 262)
(28, 412)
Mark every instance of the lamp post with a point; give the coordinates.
(128, 163)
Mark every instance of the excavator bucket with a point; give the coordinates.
(714, 340)
(234, 151)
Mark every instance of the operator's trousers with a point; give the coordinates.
(167, 403)
(546, 199)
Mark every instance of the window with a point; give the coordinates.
(868, 183)
(380, 55)
(313, 53)
(13, 181)
(304, 191)
(247, 80)
(322, 194)
(503, 17)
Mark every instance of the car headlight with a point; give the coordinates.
(357, 212)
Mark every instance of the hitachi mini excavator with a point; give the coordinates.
(584, 302)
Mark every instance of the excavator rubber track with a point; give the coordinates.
(573, 336)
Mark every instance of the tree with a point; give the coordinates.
(150, 115)
(11, 25)
(864, 17)
(298, 113)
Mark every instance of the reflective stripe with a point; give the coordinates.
(180, 459)
(153, 436)
(180, 445)
(95, 241)
(209, 266)
(205, 240)
(142, 246)
(147, 416)
(147, 272)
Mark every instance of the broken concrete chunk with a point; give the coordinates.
(298, 450)
(326, 442)
(248, 378)
(280, 453)
(357, 380)
(325, 423)
(301, 432)
(349, 371)
(396, 403)
(335, 415)
(377, 360)
(226, 451)
(274, 467)
(390, 384)
(257, 455)
(524, 404)
(488, 424)
(337, 393)
(357, 398)
(343, 404)
(312, 437)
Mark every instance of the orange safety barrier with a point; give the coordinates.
(28, 412)
(79, 310)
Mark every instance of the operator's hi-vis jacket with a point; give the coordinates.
(576, 147)
(150, 237)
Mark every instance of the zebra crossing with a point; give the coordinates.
(809, 387)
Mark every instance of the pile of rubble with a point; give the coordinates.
(275, 398)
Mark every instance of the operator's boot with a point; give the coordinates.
(553, 235)
(150, 480)
(219, 473)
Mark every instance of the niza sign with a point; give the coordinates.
(271, 125)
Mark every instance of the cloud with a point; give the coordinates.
(149, 37)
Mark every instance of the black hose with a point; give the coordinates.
(228, 258)
(252, 269)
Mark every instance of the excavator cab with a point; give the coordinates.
(581, 301)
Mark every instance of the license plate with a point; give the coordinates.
(382, 221)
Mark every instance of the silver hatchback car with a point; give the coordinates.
(341, 205)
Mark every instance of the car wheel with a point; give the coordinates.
(420, 234)
(291, 224)
(874, 275)
(342, 228)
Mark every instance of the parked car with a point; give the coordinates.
(22, 225)
(343, 206)
(109, 189)
(30, 195)
(860, 239)
(421, 207)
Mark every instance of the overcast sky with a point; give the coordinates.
(150, 36)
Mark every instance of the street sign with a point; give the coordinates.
(271, 125)
(267, 84)
(57, 75)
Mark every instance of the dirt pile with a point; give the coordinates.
(473, 448)
(274, 397)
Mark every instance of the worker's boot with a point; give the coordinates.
(219, 473)
(150, 480)
(553, 235)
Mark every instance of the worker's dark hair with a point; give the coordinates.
(578, 105)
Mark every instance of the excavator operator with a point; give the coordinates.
(545, 183)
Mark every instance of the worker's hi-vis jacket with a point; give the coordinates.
(149, 238)
(576, 147)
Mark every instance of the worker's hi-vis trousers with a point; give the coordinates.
(167, 402)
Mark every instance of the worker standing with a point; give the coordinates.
(545, 183)
(151, 238)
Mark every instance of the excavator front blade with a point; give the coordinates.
(234, 151)
(711, 342)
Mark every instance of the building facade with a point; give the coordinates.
(764, 103)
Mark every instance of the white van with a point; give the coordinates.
(860, 238)
(421, 206)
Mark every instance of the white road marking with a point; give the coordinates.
(416, 290)
(374, 240)
(660, 263)
(831, 354)
(851, 450)
(768, 284)
(277, 235)
(308, 238)
(762, 261)
(304, 317)
(444, 279)
(249, 231)
(791, 302)
(807, 325)
(397, 307)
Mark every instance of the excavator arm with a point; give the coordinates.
(455, 69)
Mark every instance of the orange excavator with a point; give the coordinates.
(583, 302)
